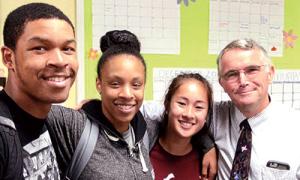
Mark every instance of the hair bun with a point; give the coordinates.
(119, 38)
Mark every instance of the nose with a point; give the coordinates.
(242, 77)
(126, 92)
(188, 112)
(57, 59)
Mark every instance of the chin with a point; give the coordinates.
(58, 99)
(127, 119)
(245, 100)
(243, 104)
(122, 117)
(185, 134)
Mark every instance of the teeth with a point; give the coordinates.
(186, 124)
(56, 79)
(124, 106)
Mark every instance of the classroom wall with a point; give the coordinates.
(67, 6)
(194, 41)
(194, 44)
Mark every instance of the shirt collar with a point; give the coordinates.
(261, 117)
(257, 119)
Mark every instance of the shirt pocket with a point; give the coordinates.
(278, 174)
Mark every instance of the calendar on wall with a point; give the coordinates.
(259, 20)
(155, 22)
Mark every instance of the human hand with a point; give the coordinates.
(209, 165)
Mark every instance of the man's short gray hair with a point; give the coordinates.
(245, 44)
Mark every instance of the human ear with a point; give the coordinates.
(8, 57)
(221, 82)
(271, 73)
(98, 85)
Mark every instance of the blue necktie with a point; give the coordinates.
(241, 163)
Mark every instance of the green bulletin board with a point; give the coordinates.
(194, 30)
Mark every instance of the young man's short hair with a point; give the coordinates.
(17, 19)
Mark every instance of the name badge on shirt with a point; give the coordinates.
(278, 165)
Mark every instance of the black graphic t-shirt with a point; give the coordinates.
(38, 156)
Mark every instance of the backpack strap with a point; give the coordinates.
(7, 122)
(84, 150)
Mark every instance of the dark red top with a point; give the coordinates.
(178, 167)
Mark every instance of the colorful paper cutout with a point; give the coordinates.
(289, 38)
(93, 54)
(273, 48)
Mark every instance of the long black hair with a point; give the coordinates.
(173, 87)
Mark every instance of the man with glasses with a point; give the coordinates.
(269, 149)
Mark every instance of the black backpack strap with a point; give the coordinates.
(84, 150)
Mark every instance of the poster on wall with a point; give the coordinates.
(259, 20)
(155, 22)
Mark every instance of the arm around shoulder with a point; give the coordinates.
(205, 144)
(65, 126)
(152, 110)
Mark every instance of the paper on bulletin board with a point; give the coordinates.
(155, 22)
(284, 89)
(162, 78)
(259, 20)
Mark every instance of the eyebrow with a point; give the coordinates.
(253, 65)
(198, 101)
(117, 76)
(43, 40)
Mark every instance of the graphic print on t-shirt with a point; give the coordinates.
(170, 176)
(40, 159)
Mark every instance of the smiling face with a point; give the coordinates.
(43, 66)
(248, 93)
(121, 87)
(188, 109)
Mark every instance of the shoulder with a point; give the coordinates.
(10, 153)
(7, 122)
(8, 136)
(152, 110)
(64, 110)
(61, 117)
(5, 116)
(61, 113)
(223, 105)
(222, 109)
(11, 160)
(8, 132)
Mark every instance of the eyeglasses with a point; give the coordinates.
(250, 72)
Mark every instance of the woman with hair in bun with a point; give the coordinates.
(121, 75)
(119, 152)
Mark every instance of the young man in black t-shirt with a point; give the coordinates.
(40, 54)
